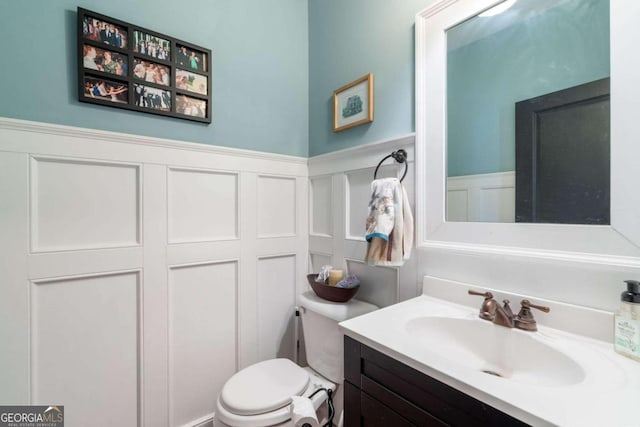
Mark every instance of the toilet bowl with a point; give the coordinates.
(260, 395)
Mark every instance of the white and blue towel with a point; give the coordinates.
(389, 224)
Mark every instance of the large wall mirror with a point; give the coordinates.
(523, 135)
(542, 63)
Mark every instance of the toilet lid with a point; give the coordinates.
(264, 387)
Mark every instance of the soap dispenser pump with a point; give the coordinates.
(627, 322)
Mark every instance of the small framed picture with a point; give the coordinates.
(98, 59)
(191, 106)
(151, 97)
(191, 59)
(151, 72)
(353, 103)
(192, 82)
(105, 90)
(98, 30)
(150, 45)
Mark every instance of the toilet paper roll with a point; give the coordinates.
(302, 412)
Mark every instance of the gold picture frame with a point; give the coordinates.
(353, 103)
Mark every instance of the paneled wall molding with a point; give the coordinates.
(141, 273)
(142, 147)
(487, 197)
(361, 156)
(338, 204)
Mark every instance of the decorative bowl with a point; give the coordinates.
(331, 293)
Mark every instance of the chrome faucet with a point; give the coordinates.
(503, 316)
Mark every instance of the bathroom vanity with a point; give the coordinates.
(381, 391)
(432, 361)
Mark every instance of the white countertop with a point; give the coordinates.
(608, 395)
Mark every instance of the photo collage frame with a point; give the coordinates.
(125, 66)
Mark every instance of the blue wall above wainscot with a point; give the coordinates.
(348, 39)
(260, 68)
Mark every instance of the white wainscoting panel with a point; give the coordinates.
(77, 204)
(358, 191)
(85, 349)
(276, 206)
(321, 209)
(277, 278)
(138, 274)
(14, 286)
(318, 261)
(203, 205)
(458, 205)
(352, 171)
(489, 197)
(378, 285)
(202, 336)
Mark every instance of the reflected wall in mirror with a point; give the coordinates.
(551, 58)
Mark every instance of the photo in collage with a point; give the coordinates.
(105, 90)
(151, 97)
(191, 106)
(192, 82)
(147, 44)
(104, 60)
(105, 32)
(151, 72)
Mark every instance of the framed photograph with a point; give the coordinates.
(122, 65)
(151, 97)
(105, 32)
(353, 103)
(192, 82)
(150, 45)
(151, 72)
(191, 59)
(191, 106)
(98, 59)
(105, 90)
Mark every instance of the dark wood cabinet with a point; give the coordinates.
(381, 391)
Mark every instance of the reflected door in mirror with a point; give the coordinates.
(562, 156)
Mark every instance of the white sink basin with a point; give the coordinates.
(480, 345)
(551, 377)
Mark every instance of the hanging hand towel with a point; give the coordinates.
(389, 224)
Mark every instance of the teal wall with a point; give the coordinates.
(565, 47)
(348, 39)
(260, 68)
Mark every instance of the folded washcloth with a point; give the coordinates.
(323, 276)
(389, 224)
(351, 281)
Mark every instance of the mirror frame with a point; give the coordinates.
(618, 243)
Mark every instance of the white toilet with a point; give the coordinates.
(260, 395)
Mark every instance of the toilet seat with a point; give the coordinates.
(264, 387)
(278, 417)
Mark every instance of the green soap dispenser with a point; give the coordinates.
(627, 322)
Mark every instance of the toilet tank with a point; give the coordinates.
(322, 337)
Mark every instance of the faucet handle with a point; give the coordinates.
(486, 295)
(525, 320)
(488, 308)
(527, 303)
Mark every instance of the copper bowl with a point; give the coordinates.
(331, 293)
